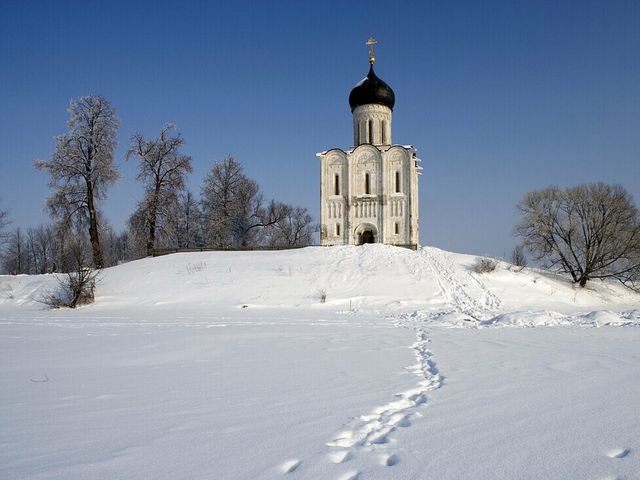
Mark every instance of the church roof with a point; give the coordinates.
(371, 90)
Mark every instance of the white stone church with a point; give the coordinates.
(369, 192)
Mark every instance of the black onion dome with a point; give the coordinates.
(371, 90)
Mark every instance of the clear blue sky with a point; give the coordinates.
(500, 98)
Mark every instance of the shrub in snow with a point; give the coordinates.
(518, 257)
(484, 265)
(322, 294)
(75, 289)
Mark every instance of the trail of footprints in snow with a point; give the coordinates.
(371, 431)
(454, 289)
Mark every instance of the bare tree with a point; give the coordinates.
(252, 218)
(41, 241)
(518, 257)
(294, 229)
(589, 231)
(81, 168)
(15, 259)
(118, 246)
(43, 249)
(162, 170)
(233, 207)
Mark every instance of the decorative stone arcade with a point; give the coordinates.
(369, 193)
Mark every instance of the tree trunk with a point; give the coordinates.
(153, 213)
(98, 260)
(151, 240)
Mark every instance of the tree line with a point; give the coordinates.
(231, 212)
(589, 232)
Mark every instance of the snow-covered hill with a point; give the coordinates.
(371, 278)
(228, 365)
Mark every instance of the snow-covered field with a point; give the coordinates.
(226, 365)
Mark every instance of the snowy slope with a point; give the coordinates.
(227, 365)
(369, 278)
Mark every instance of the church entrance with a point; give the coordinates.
(366, 237)
(365, 233)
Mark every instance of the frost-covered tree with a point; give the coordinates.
(233, 207)
(61, 235)
(82, 169)
(220, 201)
(189, 230)
(589, 231)
(137, 233)
(162, 170)
(166, 229)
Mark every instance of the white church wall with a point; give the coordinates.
(376, 116)
(333, 210)
(384, 210)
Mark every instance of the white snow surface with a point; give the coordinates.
(226, 365)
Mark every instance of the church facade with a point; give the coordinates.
(369, 192)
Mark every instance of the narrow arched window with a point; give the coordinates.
(397, 228)
(336, 184)
(370, 131)
(337, 229)
(383, 130)
(367, 184)
(397, 182)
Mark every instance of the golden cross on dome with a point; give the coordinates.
(371, 42)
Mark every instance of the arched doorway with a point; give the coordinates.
(366, 237)
(366, 233)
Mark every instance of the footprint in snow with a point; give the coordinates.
(289, 466)
(618, 452)
(400, 420)
(339, 457)
(390, 460)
